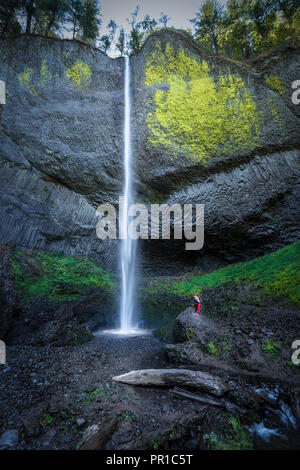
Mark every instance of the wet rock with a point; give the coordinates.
(47, 439)
(7, 297)
(9, 439)
(80, 422)
(31, 425)
(191, 326)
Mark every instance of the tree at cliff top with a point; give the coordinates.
(8, 17)
(120, 45)
(164, 19)
(91, 21)
(74, 15)
(246, 27)
(207, 22)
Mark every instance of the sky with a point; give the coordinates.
(180, 11)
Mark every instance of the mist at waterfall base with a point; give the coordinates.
(128, 323)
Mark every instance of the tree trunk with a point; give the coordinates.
(28, 21)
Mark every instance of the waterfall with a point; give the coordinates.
(128, 246)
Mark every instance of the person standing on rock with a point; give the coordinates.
(196, 302)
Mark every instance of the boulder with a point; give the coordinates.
(9, 439)
(191, 326)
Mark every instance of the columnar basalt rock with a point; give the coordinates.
(206, 130)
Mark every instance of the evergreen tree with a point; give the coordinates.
(105, 43)
(54, 14)
(90, 20)
(112, 26)
(207, 22)
(164, 19)
(289, 8)
(74, 15)
(148, 24)
(136, 37)
(121, 42)
(8, 17)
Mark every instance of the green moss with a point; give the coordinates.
(271, 347)
(47, 419)
(277, 274)
(197, 115)
(237, 437)
(59, 277)
(25, 79)
(79, 75)
(275, 82)
(212, 349)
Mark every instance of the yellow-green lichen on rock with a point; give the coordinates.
(198, 115)
(79, 75)
(45, 73)
(275, 82)
(25, 80)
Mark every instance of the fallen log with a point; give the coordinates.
(199, 380)
(187, 395)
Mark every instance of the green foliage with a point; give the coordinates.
(59, 277)
(271, 347)
(212, 349)
(189, 334)
(226, 346)
(197, 116)
(275, 83)
(47, 419)
(237, 438)
(207, 22)
(90, 20)
(120, 45)
(154, 444)
(92, 396)
(126, 416)
(276, 274)
(222, 347)
(246, 27)
(9, 24)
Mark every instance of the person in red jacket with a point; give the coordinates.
(197, 304)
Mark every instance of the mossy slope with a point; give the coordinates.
(57, 276)
(277, 274)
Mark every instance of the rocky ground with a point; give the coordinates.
(49, 396)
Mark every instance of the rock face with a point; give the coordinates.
(216, 132)
(60, 143)
(205, 130)
(7, 300)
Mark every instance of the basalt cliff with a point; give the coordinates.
(206, 130)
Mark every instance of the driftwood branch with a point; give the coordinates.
(186, 394)
(199, 380)
(96, 436)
